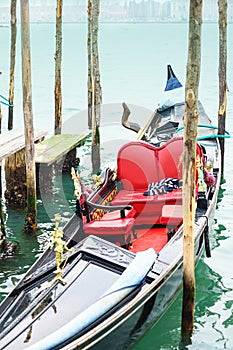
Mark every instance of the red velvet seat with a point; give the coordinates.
(172, 215)
(139, 164)
(148, 208)
(115, 215)
(118, 230)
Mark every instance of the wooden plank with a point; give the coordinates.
(14, 141)
(56, 147)
(9, 136)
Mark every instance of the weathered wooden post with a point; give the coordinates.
(31, 214)
(3, 231)
(189, 165)
(89, 70)
(222, 73)
(97, 92)
(12, 63)
(58, 60)
(3, 234)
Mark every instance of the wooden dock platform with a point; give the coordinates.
(53, 149)
(57, 150)
(14, 141)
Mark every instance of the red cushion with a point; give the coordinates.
(172, 215)
(147, 205)
(148, 208)
(109, 227)
(116, 214)
(127, 197)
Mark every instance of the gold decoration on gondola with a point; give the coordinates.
(98, 180)
(60, 248)
(77, 183)
(114, 175)
(200, 171)
(99, 213)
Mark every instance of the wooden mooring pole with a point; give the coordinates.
(3, 230)
(58, 60)
(222, 73)
(31, 213)
(89, 72)
(12, 63)
(97, 90)
(189, 166)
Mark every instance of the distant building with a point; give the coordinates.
(117, 10)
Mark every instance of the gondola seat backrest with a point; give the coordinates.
(140, 163)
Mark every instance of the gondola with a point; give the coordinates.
(117, 264)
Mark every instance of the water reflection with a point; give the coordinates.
(13, 267)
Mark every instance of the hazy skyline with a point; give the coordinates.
(116, 10)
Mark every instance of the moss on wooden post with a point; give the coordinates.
(12, 63)
(222, 73)
(58, 60)
(189, 165)
(31, 213)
